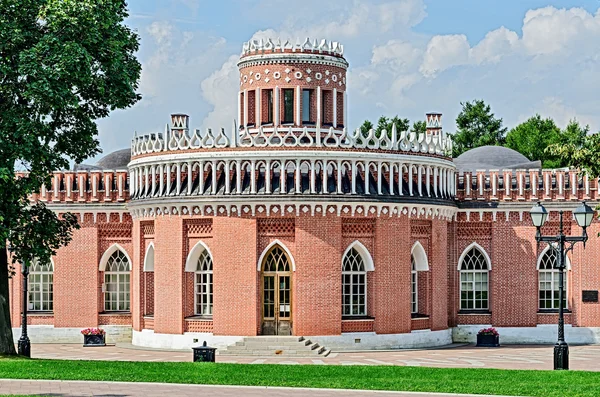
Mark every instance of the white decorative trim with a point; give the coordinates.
(480, 248)
(266, 251)
(192, 259)
(364, 253)
(111, 250)
(149, 258)
(421, 261)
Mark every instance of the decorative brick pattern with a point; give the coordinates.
(276, 227)
(198, 227)
(205, 326)
(420, 323)
(356, 227)
(358, 325)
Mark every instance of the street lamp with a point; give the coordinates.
(584, 216)
(24, 345)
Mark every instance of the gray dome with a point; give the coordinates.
(492, 158)
(116, 160)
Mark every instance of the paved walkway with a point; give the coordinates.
(126, 389)
(506, 357)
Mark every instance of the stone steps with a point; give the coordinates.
(287, 346)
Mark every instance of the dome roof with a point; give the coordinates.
(493, 157)
(116, 160)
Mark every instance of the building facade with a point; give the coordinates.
(293, 224)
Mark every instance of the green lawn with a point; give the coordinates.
(449, 380)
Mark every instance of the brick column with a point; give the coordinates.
(235, 278)
(438, 262)
(169, 257)
(77, 284)
(137, 290)
(318, 292)
(392, 276)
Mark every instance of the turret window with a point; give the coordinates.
(288, 106)
(306, 109)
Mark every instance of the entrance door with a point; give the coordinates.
(276, 294)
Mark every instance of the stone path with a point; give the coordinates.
(126, 389)
(506, 357)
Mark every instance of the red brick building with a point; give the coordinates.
(293, 224)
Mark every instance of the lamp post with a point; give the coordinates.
(24, 345)
(584, 216)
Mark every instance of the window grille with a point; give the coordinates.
(116, 283)
(474, 285)
(354, 285)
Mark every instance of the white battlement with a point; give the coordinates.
(322, 46)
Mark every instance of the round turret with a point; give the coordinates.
(286, 85)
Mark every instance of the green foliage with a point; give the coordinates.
(585, 157)
(477, 127)
(532, 137)
(481, 381)
(63, 65)
(419, 127)
(386, 123)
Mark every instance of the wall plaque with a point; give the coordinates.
(589, 295)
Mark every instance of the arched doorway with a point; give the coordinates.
(276, 293)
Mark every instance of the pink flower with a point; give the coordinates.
(92, 331)
(488, 331)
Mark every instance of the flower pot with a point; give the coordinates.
(488, 340)
(93, 340)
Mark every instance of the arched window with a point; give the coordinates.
(116, 282)
(548, 279)
(354, 284)
(414, 282)
(474, 285)
(204, 285)
(41, 280)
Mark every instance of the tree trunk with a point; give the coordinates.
(7, 345)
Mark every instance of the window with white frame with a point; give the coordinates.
(474, 285)
(41, 280)
(204, 285)
(548, 281)
(116, 283)
(354, 285)
(414, 282)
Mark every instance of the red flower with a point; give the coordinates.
(488, 331)
(92, 331)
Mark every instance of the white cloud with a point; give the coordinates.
(220, 91)
(443, 52)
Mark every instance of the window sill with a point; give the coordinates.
(418, 316)
(38, 313)
(201, 318)
(327, 124)
(309, 122)
(354, 318)
(287, 123)
(552, 311)
(148, 315)
(475, 312)
(267, 124)
(115, 314)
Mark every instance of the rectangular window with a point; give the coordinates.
(306, 111)
(414, 301)
(116, 296)
(269, 95)
(548, 290)
(327, 107)
(473, 290)
(288, 106)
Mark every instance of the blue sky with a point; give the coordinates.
(406, 57)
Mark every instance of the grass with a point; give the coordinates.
(421, 379)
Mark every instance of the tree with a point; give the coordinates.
(477, 127)
(385, 123)
(585, 157)
(419, 127)
(532, 137)
(63, 65)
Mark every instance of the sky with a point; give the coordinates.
(407, 57)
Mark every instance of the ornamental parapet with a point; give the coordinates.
(493, 186)
(178, 138)
(271, 166)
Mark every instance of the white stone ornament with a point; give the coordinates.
(287, 70)
(331, 210)
(326, 81)
(318, 76)
(221, 210)
(267, 80)
(308, 71)
(275, 209)
(276, 75)
(245, 79)
(251, 81)
(346, 210)
(305, 209)
(287, 79)
(267, 71)
(308, 79)
(246, 209)
(257, 76)
(298, 75)
(290, 208)
(261, 209)
(334, 78)
(327, 72)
